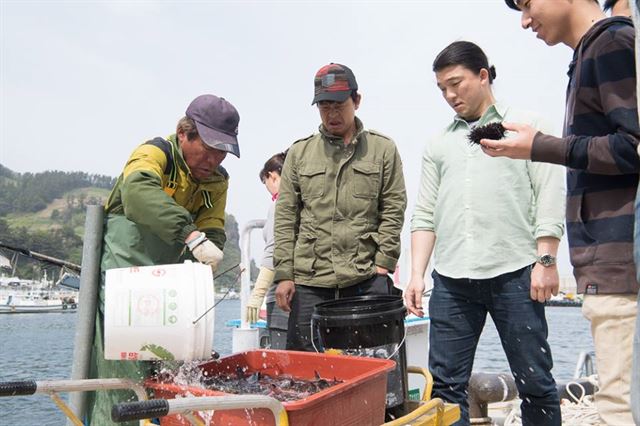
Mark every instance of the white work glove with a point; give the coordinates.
(263, 282)
(205, 251)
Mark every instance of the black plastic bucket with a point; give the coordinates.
(370, 326)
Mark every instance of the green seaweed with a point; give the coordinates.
(159, 352)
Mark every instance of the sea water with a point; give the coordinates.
(40, 347)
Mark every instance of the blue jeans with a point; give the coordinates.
(458, 311)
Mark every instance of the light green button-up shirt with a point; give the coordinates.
(486, 212)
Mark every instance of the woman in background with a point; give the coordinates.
(276, 318)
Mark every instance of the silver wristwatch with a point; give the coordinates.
(546, 260)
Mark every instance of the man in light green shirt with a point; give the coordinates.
(495, 226)
(490, 215)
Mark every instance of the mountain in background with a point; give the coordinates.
(45, 213)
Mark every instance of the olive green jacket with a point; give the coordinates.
(340, 209)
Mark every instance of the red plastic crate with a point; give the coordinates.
(359, 400)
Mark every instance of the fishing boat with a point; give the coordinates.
(32, 303)
(565, 299)
(29, 296)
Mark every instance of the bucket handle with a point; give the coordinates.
(398, 346)
(240, 271)
(311, 335)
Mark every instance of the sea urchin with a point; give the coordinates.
(494, 131)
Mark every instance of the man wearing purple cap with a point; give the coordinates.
(340, 209)
(170, 196)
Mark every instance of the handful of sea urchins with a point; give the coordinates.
(494, 131)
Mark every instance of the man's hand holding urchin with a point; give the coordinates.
(204, 250)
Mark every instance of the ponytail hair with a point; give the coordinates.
(467, 54)
(273, 164)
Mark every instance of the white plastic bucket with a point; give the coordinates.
(150, 310)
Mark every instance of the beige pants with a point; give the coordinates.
(612, 319)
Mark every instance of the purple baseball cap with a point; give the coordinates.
(217, 122)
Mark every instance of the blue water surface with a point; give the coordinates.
(40, 347)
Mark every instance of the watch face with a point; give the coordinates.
(547, 260)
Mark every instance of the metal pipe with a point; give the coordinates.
(127, 411)
(245, 284)
(41, 257)
(183, 405)
(53, 387)
(86, 385)
(485, 388)
(87, 301)
(585, 365)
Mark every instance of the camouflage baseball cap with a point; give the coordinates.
(217, 122)
(334, 82)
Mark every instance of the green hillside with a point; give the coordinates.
(45, 213)
(67, 210)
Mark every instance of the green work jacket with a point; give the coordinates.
(340, 209)
(156, 204)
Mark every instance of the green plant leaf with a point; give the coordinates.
(158, 351)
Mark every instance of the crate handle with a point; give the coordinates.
(139, 410)
(23, 387)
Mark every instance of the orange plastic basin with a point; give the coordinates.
(358, 400)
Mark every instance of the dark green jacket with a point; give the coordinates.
(340, 209)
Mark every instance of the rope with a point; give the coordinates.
(579, 412)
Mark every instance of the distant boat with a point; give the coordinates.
(23, 296)
(15, 304)
(568, 299)
(229, 294)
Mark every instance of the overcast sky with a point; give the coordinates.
(83, 83)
